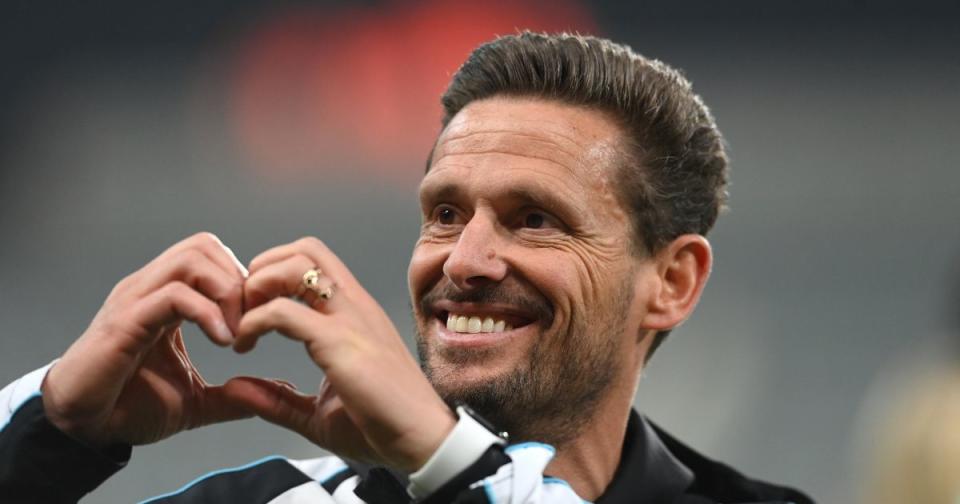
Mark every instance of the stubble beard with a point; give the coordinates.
(553, 393)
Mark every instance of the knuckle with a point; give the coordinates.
(131, 280)
(204, 313)
(275, 310)
(112, 323)
(188, 264)
(175, 289)
(122, 286)
(221, 290)
(191, 256)
(255, 264)
(255, 288)
(205, 238)
(312, 242)
(109, 323)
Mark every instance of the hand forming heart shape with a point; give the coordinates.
(128, 378)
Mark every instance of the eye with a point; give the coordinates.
(445, 215)
(533, 220)
(538, 219)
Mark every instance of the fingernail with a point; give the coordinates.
(287, 384)
(223, 332)
(236, 262)
(240, 266)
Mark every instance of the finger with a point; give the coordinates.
(220, 406)
(198, 271)
(174, 302)
(279, 279)
(211, 405)
(234, 260)
(275, 401)
(291, 319)
(214, 248)
(314, 249)
(205, 243)
(270, 256)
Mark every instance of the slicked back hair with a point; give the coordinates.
(673, 177)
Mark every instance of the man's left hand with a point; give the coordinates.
(375, 404)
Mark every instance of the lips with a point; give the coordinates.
(478, 324)
(486, 315)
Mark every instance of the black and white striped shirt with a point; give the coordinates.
(40, 464)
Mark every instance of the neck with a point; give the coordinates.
(589, 461)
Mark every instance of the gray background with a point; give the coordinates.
(836, 265)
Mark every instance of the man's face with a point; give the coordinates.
(522, 280)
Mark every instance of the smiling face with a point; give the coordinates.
(523, 281)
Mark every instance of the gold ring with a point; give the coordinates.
(311, 279)
(326, 293)
(311, 282)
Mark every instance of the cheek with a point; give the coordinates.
(599, 267)
(565, 277)
(426, 268)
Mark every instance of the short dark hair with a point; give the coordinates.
(673, 176)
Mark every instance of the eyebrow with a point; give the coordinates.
(550, 202)
(547, 201)
(441, 192)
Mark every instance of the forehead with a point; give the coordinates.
(513, 138)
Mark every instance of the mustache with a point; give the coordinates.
(524, 298)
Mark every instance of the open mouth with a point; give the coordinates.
(475, 320)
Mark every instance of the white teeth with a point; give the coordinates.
(487, 325)
(475, 324)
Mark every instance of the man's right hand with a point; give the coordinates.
(128, 378)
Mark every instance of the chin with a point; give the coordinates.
(473, 374)
(458, 369)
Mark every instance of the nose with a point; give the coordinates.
(474, 260)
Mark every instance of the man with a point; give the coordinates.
(564, 211)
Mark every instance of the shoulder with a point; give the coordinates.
(719, 482)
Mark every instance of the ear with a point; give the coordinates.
(682, 269)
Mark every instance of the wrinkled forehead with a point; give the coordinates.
(559, 157)
(580, 139)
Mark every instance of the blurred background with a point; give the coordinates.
(127, 126)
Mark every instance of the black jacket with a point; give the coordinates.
(40, 464)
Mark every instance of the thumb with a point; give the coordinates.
(219, 406)
(276, 401)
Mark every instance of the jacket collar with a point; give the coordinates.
(648, 472)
